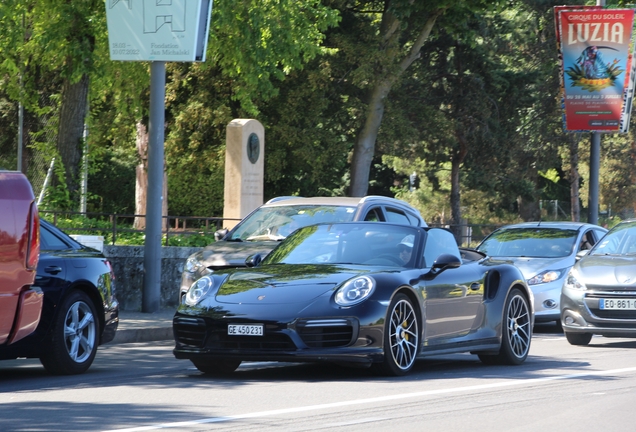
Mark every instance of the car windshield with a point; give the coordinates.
(621, 240)
(530, 242)
(277, 222)
(351, 243)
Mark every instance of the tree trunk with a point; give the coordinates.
(73, 107)
(575, 211)
(455, 194)
(364, 147)
(141, 172)
(141, 184)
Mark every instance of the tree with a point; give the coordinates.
(400, 30)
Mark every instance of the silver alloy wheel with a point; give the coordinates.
(403, 334)
(518, 326)
(80, 331)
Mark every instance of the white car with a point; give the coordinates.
(544, 252)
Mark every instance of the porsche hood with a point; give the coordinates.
(281, 284)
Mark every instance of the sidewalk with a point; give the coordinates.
(144, 327)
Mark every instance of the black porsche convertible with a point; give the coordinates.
(360, 293)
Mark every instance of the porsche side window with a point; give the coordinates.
(396, 216)
(439, 241)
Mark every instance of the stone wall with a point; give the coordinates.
(128, 265)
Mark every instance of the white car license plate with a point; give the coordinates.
(617, 304)
(245, 329)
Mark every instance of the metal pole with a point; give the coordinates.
(595, 163)
(152, 250)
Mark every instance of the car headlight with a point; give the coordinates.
(192, 265)
(572, 282)
(198, 290)
(355, 291)
(546, 276)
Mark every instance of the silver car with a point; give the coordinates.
(599, 293)
(544, 252)
(261, 230)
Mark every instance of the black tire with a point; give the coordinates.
(516, 332)
(578, 338)
(74, 336)
(216, 367)
(401, 338)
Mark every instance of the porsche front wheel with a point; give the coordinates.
(401, 338)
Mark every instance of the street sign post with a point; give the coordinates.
(157, 31)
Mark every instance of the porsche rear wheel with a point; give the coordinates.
(516, 333)
(401, 338)
(216, 367)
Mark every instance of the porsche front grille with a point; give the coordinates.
(326, 333)
(189, 331)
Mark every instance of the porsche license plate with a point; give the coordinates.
(617, 304)
(245, 329)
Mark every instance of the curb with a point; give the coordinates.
(143, 335)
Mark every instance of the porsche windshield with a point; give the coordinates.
(276, 223)
(367, 243)
(530, 242)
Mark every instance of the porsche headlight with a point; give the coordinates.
(546, 276)
(573, 283)
(355, 291)
(198, 290)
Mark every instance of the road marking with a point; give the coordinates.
(513, 383)
(355, 422)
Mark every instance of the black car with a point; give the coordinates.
(265, 227)
(363, 293)
(80, 309)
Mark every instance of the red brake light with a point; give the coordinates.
(33, 248)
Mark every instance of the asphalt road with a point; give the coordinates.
(140, 386)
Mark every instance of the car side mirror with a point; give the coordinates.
(582, 253)
(253, 260)
(220, 234)
(443, 262)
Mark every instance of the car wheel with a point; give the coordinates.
(74, 336)
(578, 338)
(216, 367)
(516, 334)
(401, 338)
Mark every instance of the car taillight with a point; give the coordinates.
(110, 268)
(33, 248)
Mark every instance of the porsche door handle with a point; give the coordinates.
(475, 286)
(53, 269)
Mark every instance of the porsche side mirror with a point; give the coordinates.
(253, 260)
(443, 262)
(218, 235)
